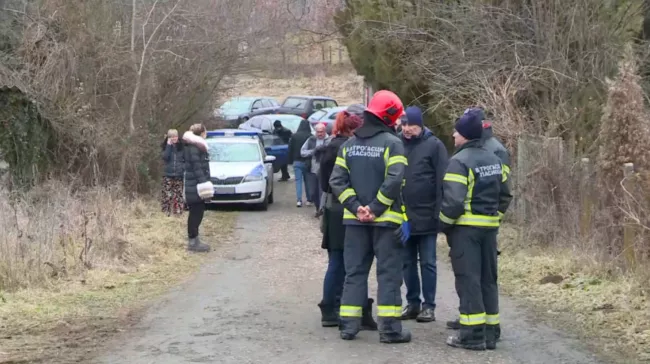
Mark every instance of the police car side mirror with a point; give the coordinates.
(269, 159)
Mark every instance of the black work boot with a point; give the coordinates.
(329, 316)
(395, 338)
(469, 338)
(491, 337)
(410, 312)
(454, 325)
(367, 321)
(426, 315)
(195, 245)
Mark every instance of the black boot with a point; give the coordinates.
(454, 325)
(349, 327)
(329, 316)
(410, 312)
(426, 315)
(195, 245)
(395, 338)
(491, 337)
(367, 321)
(469, 338)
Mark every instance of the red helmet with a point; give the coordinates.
(386, 106)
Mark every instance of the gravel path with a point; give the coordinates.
(255, 302)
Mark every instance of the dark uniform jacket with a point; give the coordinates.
(333, 229)
(174, 159)
(197, 166)
(492, 144)
(297, 140)
(476, 191)
(422, 191)
(368, 171)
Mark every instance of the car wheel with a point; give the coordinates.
(270, 198)
(264, 205)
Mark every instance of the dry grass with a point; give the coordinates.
(580, 293)
(137, 253)
(346, 88)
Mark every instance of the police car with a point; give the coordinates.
(240, 169)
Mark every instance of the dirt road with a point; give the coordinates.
(255, 302)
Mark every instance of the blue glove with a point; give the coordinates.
(405, 232)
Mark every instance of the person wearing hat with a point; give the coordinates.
(492, 144)
(422, 194)
(475, 195)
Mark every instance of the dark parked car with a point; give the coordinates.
(304, 106)
(272, 143)
(241, 108)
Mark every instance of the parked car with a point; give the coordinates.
(273, 144)
(326, 116)
(240, 169)
(239, 109)
(304, 106)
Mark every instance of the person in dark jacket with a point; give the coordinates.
(332, 225)
(172, 181)
(476, 194)
(197, 171)
(422, 193)
(367, 180)
(313, 148)
(301, 165)
(285, 135)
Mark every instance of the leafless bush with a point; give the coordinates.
(112, 76)
(51, 233)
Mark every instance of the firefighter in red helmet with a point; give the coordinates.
(367, 180)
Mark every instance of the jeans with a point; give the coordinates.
(425, 245)
(313, 189)
(300, 171)
(194, 219)
(334, 278)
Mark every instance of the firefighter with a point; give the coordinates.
(492, 144)
(476, 194)
(367, 179)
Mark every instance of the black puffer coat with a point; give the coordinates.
(174, 158)
(334, 231)
(297, 140)
(197, 166)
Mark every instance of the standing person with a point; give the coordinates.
(285, 135)
(313, 148)
(172, 181)
(422, 193)
(197, 171)
(476, 193)
(492, 144)
(300, 164)
(346, 123)
(367, 179)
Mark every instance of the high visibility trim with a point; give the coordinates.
(454, 177)
(505, 169)
(389, 311)
(387, 216)
(500, 215)
(397, 159)
(350, 311)
(470, 192)
(473, 319)
(404, 213)
(403, 182)
(341, 163)
(469, 219)
(446, 220)
(383, 199)
(347, 193)
(492, 319)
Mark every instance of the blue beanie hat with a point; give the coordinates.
(413, 116)
(470, 124)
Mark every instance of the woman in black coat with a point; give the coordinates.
(332, 224)
(197, 171)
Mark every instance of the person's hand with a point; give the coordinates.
(169, 141)
(364, 214)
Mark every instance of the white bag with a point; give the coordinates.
(205, 190)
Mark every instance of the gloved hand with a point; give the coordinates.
(403, 233)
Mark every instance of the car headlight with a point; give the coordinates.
(255, 175)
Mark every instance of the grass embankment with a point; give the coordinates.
(576, 292)
(77, 269)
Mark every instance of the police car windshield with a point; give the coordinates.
(234, 152)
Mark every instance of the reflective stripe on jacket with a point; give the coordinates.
(368, 171)
(476, 191)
